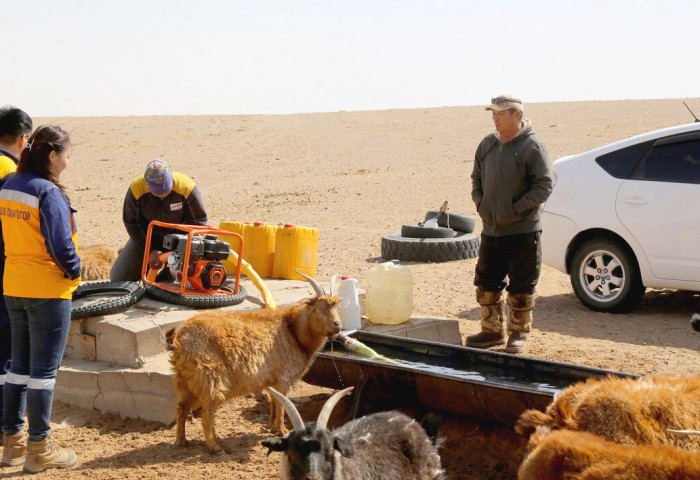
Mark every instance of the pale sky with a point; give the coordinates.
(161, 57)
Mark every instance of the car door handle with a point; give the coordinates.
(634, 201)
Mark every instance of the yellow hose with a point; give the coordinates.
(248, 271)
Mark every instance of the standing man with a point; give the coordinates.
(159, 194)
(15, 128)
(511, 179)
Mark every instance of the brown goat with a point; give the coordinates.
(96, 261)
(625, 410)
(220, 355)
(564, 454)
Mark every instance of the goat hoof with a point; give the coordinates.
(277, 429)
(181, 442)
(217, 451)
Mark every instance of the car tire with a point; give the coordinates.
(416, 231)
(459, 247)
(127, 294)
(459, 223)
(605, 276)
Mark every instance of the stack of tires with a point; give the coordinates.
(451, 240)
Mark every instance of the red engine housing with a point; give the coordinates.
(207, 275)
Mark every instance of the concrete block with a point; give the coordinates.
(172, 319)
(432, 329)
(73, 343)
(127, 343)
(147, 393)
(77, 384)
(87, 347)
(90, 325)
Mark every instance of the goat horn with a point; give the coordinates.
(683, 432)
(334, 277)
(289, 407)
(329, 406)
(317, 286)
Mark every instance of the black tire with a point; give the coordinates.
(456, 222)
(458, 247)
(198, 301)
(127, 294)
(415, 231)
(605, 276)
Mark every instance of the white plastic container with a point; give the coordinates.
(389, 293)
(350, 315)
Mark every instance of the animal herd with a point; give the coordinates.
(596, 429)
(644, 429)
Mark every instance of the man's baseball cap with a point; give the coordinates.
(506, 101)
(159, 177)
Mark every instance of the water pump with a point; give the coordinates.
(204, 270)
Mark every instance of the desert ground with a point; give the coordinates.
(357, 176)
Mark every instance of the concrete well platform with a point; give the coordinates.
(118, 363)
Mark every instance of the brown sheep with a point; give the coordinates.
(564, 454)
(220, 355)
(96, 261)
(625, 410)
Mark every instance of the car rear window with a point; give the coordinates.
(620, 163)
(674, 162)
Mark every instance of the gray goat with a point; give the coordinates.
(380, 446)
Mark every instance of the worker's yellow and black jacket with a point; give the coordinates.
(39, 239)
(183, 205)
(8, 163)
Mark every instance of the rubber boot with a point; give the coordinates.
(42, 455)
(14, 449)
(519, 321)
(492, 317)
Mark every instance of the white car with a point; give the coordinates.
(625, 217)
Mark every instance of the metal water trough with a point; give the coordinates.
(464, 380)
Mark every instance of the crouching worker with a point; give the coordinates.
(159, 194)
(42, 269)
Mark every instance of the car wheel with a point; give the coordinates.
(605, 276)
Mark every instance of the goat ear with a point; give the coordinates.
(529, 420)
(343, 447)
(564, 415)
(276, 444)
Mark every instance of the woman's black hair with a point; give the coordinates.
(35, 157)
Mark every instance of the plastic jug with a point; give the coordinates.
(296, 248)
(389, 293)
(350, 314)
(239, 228)
(259, 249)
